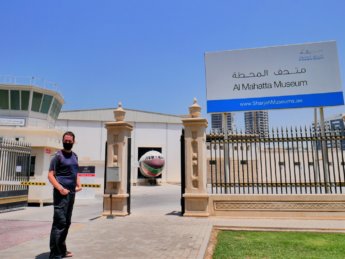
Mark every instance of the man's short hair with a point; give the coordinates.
(68, 133)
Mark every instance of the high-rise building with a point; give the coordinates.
(256, 122)
(335, 122)
(336, 125)
(217, 121)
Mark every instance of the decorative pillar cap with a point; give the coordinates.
(119, 113)
(194, 109)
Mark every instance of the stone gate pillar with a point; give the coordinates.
(115, 193)
(196, 196)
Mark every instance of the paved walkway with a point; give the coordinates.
(153, 230)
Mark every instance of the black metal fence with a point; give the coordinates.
(183, 172)
(285, 161)
(129, 177)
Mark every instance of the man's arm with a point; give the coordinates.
(55, 183)
(78, 187)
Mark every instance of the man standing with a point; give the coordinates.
(63, 175)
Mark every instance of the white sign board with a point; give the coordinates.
(12, 122)
(293, 76)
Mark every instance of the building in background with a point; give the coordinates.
(256, 122)
(33, 115)
(151, 131)
(28, 114)
(335, 122)
(336, 125)
(217, 121)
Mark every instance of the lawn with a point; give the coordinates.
(259, 244)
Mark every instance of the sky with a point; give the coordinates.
(149, 54)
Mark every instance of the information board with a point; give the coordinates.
(292, 76)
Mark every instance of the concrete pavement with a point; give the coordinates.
(155, 228)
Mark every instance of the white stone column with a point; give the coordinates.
(196, 196)
(115, 194)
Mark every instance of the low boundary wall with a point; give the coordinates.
(324, 205)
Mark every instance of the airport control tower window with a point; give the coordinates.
(47, 100)
(15, 104)
(25, 100)
(36, 102)
(4, 103)
(55, 110)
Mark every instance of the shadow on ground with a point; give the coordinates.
(174, 213)
(43, 256)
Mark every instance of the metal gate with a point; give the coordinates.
(14, 169)
(129, 142)
(183, 173)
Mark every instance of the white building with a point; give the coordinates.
(28, 113)
(151, 131)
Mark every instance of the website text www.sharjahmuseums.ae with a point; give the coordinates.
(271, 102)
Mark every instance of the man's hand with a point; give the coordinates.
(64, 191)
(78, 188)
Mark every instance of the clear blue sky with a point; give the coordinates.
(149, 54)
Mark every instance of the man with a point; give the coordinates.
(63, 175)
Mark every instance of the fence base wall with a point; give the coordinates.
(296, 206)
(196, 205)
(13, 202)
(115, 205)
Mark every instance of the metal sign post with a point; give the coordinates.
(324, 151)
(226, 149)
(316, 162)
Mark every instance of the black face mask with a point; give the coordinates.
(67, 146)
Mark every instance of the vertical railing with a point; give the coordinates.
(14, 169)
(183, 172)
(129, 177)
(105, 170)
(283, 161)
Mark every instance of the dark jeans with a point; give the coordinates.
(63, 207)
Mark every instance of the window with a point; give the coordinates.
(36, 102)
(22, 165)
(15, 100)
(25, 100)
(32, 165)
(47, 100)
(55, 110)
(52, 110)
(58, 109)
(4, 99)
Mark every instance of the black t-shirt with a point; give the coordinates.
(65, 166)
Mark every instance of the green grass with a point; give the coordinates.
(269, 245)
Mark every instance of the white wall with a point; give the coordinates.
(41, 193)
(90, 138)
(162, 135)
(173, 157)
